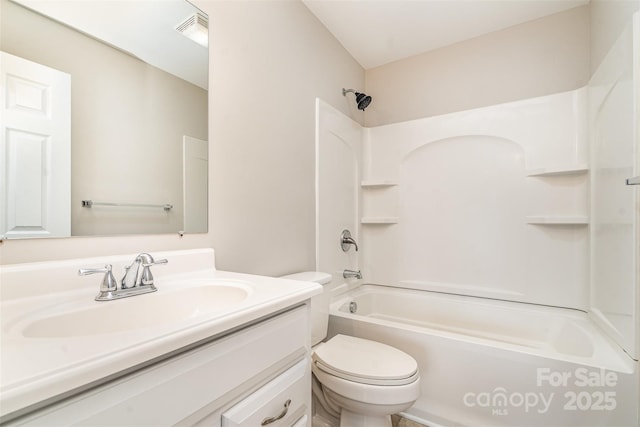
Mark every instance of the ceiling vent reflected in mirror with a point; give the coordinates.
(196, 27)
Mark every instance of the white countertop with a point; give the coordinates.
(35, 369)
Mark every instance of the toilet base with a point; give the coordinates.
(351, 419)
(354, 413)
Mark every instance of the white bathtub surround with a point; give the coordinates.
(338, 171)
(507, 203)
(614, 238)
(490, 202)
(96, 340)
(477, 352)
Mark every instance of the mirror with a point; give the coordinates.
(136, 130)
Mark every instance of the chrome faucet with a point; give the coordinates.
(137, 279)
(346, 240)
(139, 273)
(350, 274)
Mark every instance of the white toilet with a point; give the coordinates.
(361, 382)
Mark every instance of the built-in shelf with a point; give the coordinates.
(379, 220)
(377, 183)
(558, 172)
(558, 220)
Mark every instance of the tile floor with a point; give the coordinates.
(398, 421)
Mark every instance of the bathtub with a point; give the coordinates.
(496, 363)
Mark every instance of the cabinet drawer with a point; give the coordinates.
(281, 402)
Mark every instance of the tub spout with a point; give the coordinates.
(350, 274)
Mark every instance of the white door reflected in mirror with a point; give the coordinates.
(35, 149)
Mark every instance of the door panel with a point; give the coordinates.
(35, 149)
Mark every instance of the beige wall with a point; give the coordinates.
(537, 58)
(269, 60)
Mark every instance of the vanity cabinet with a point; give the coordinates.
(237, 379)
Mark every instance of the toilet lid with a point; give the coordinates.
(365, 361)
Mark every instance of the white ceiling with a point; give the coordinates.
(377, 32)
(144, 28)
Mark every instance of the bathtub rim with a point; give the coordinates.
(609, 355)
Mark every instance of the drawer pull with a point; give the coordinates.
(280, 416)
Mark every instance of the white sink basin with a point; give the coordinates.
(136, 312)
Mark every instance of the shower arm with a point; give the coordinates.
(362, 99)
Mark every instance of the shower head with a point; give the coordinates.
(362, 99)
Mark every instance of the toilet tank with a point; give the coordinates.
(319, 303)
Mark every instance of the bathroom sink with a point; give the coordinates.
(143, 311)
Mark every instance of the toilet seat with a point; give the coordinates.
(365, 361)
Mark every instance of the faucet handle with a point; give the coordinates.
(109, 283)
(147, 277)
(154, 262)
(346, 240)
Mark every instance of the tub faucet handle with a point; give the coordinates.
(346, 240)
